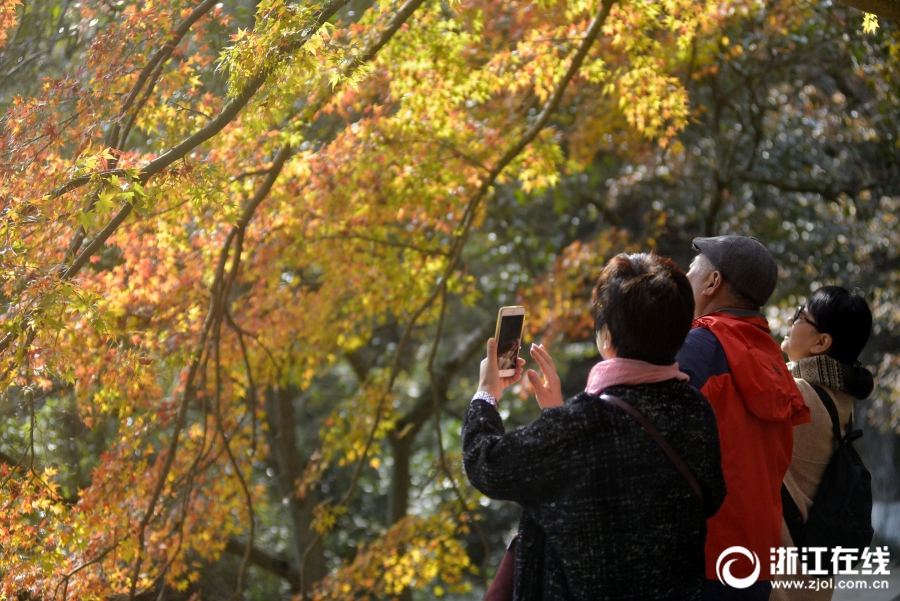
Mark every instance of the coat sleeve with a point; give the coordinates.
(528, 465)
(702, 357)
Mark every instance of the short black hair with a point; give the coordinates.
(846, 316)
(647, 304)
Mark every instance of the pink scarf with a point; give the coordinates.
(616, 371)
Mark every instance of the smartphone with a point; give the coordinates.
(510, 323)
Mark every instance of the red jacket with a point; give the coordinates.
(734, 361)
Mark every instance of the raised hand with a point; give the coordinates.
(490, 380)
(547, 391)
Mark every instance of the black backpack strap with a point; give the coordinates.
(789, 509)
(660, 440)
(832, 413)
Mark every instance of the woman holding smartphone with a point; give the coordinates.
(606, 513)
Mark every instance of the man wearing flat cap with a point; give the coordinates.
(732, 358)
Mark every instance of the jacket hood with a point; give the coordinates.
(759, 373)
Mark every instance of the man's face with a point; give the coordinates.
(698, 275)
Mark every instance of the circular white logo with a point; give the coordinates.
(724, 572)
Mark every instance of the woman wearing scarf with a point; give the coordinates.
(606, 514)
(823, 344)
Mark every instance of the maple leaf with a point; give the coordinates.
(870, 23)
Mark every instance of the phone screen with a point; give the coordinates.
(508, 341)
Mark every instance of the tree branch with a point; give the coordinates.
(154, 68)
(886, 9)
(438, 401)
(79, 181)
(411, 422)
(231, 110)
(273, 564)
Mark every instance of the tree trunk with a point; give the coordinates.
(398, 497)
(283, 442)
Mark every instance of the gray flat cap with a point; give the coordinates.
(744, 262)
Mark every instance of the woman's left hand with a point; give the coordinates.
(490, 380)
(547, 391)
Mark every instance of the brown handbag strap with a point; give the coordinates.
(660, 440)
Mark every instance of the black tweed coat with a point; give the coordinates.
(605, 513)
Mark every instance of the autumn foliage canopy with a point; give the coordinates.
(238, 268)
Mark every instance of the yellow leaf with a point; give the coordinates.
(870, 23)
